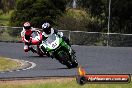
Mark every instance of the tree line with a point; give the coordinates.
(38, 11)
(121, 14)
(6, 5)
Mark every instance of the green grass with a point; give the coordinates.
(60, 84)
(4, 18)
(77, 14)
(7, 64)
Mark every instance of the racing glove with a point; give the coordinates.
(60, 34)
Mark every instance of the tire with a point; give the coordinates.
(39, 52)
(74, 64)
(69, 64)
(74, 61)
(64, 59)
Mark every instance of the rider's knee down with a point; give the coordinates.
(26, 49)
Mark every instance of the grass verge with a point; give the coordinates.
(7, 64)
(6, 37)
(57, 83)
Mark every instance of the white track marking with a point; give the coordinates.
(22, 62)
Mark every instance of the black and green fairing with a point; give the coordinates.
(53, 42)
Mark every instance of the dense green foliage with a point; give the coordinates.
(37, 11)
(75, 19)
(121, 15)
(6, 5)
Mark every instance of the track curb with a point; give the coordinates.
(24, 65)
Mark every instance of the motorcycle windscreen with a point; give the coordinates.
(35, 38)
(53, 42)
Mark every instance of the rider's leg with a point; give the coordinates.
(26, 48)
(31, 48)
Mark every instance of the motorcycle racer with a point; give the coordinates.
(26, 36)
(55, 45)
(49, 30)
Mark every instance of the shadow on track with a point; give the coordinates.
(63, 68)
(36, 57)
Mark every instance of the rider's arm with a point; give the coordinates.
(55, 31)
(23, 36)
(36, 29)
(24, 40)
(58, 33)
(23, 32)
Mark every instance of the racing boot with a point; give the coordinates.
(33, 50)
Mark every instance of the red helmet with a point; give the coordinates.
(27, 26)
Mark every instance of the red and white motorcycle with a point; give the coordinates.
(36, 39)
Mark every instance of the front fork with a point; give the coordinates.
(71, 51)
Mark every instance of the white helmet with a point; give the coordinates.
(46, 28)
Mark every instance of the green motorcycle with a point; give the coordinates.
(57, 48)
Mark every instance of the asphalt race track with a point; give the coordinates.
(94, 59)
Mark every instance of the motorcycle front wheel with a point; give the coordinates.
(64, 58)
